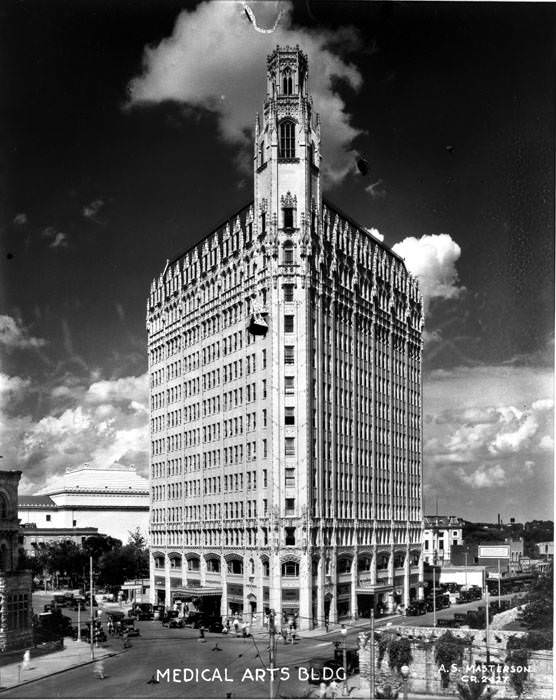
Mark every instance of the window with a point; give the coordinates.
(290, 477)
(263, 222)
(235, 566)
(288, 217)
(48, 518)
(290, 533)
(75, 523)
(290, 568)
(290, 447)
(266, 568)
(287, 82)
(287, 257)
(193, 565)
(286, 147)
(288, 292)
(289, 415)
(213, 565)
(289, 354)
(288, 324)
(289, 385)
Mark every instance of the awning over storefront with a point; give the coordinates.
(377, 588)
(196, 592)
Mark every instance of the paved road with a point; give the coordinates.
(229, 665)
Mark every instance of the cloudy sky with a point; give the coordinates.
(127, 130)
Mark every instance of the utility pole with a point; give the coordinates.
(434, 589)
(271, 632)
(372, 664)
(499, 585)
(92, 629)
(487, 630)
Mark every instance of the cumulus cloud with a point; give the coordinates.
(12, 388)
(484, 477)
(57, 238)
(432, 259)
(375, 233)
(92, 210)
(376, 190)
(229, 81)
(20, 219)
(13, 335)
(105, 422)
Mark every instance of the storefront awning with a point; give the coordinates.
(196, 592)
(376, 588)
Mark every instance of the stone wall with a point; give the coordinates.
(425, 676)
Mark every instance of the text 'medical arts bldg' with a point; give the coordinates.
(285, 388)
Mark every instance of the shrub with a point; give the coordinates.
(448, 650)
(399, 653)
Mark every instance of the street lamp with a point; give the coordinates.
(344, 632)
(405, 674)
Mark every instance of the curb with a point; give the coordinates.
(56, 673)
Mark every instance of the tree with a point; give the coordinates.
(96, 545)
(136, 539)
(538, 613)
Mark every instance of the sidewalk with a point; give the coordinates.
(74, 654)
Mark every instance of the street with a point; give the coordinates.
(185, 666)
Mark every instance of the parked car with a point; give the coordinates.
(83, 603)
(168, 616)
(128, 625)
(142, 611)
(211, 624)
(323, 670)
(417, 607)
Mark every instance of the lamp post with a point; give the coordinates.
(434, 560)
(344, 633)
(405, 675)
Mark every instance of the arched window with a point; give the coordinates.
(193, 565)
(261, 153)
(266, 568)
(3, 507)
(213, 565)
(286, 147)
(287, 257)
(290, 568)
(287, 82)
(235, 566)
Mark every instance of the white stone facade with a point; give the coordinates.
(285, 373)
(115, 500)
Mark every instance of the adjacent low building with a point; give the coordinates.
(441, 533)
(16, 626)
(85, 500)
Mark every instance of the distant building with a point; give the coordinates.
(441, 533)
(35, 538)
(501, 558)
(546, 549)
(16, 625)
(114, 500)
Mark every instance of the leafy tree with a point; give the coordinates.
(399, 653)
(538, 613)
(448, 650)
(137, 539)
(473, 690)
(96, 545)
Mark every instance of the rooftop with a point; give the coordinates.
(88, 477)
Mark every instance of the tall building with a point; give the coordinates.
(440, 534)
(285, 372)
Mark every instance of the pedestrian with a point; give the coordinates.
(99, 670)
(126, 639)
(326, 624)
(202, 634)
(110, 627)
(236, 626)
(247, 630)
(322, 690)
(243, 629)
(333, 689)
(26, 660)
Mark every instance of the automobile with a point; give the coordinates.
(128, 625)
(417, 607)
(209, 623)
(193, 619)
(352, 659)
(168, 616)
(176, 623)
(142, 611)
(446, 622)
(60, 600)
